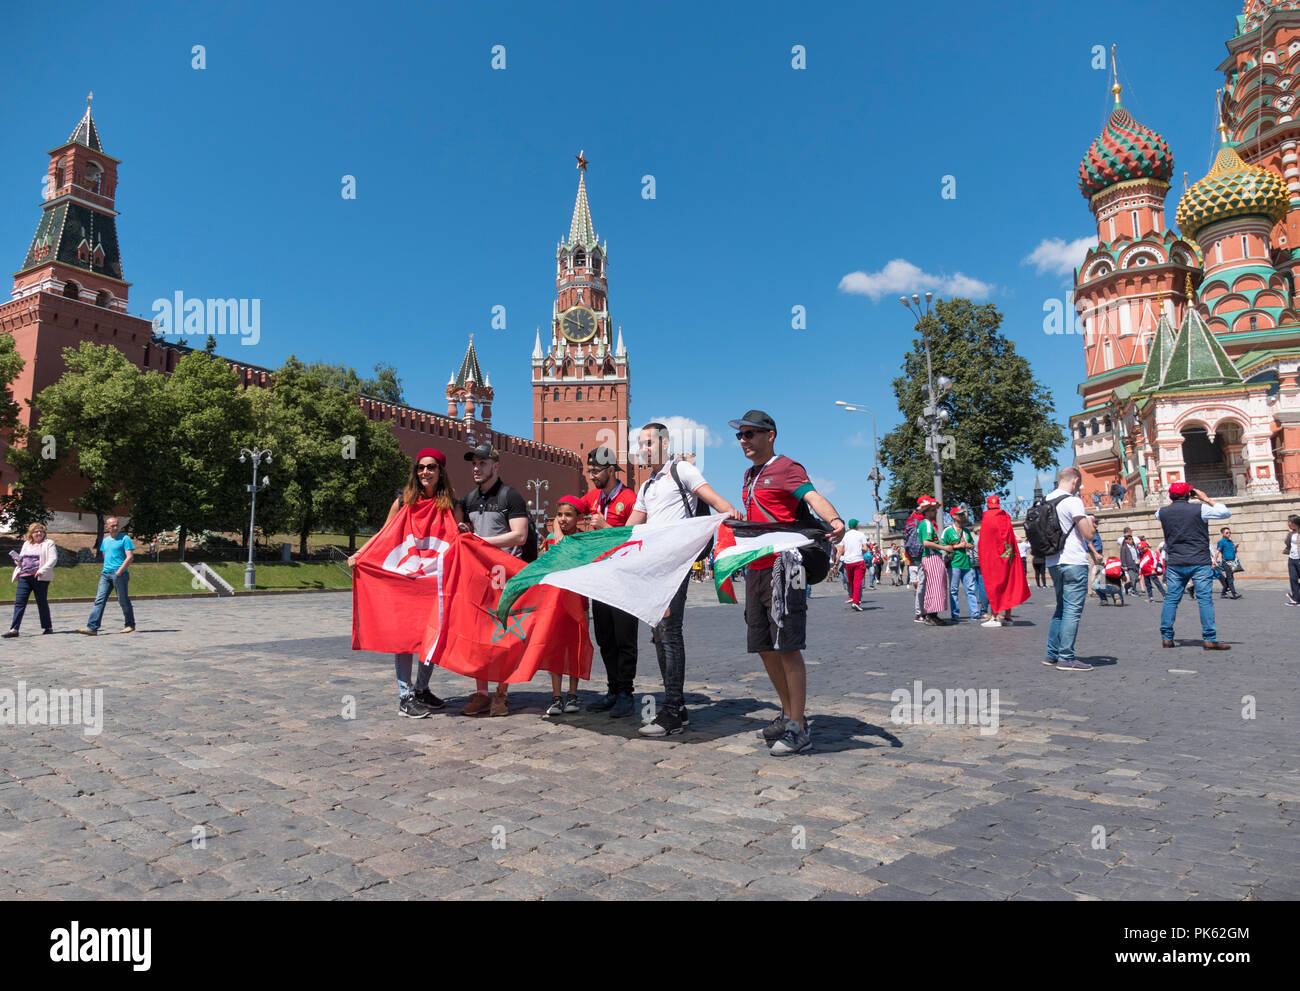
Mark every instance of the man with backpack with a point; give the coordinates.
(777, 489)
(498, 514)
(1060, 530)
(675, 491)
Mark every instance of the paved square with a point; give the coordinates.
(226, 767)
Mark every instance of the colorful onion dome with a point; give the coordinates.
(1124, 150)
(1232, 189)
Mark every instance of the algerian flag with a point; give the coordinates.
(634, 568)
(732, 553)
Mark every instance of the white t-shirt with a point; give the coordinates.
(1067, 510)
(660, 498)
(852, 547)
(1295, 547)
(1024, 549)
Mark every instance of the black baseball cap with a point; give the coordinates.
(603, 457)
(484, 450)
(754, 418)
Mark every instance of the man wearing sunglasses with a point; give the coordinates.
(609, 503)
(672, 493)
(772, 490)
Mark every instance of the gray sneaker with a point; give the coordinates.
(1075, 665)
(795, 740)
(773, 730)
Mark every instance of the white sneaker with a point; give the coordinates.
(991, 623)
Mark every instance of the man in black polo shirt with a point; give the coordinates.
(1187, 539)
(498, 514)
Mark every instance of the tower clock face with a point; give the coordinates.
(578, 324)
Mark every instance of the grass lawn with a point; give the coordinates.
(304, 576)
(81, 581)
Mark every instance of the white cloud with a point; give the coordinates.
(823, 485)
(1057, 256)
(686, 435)
(902, 277)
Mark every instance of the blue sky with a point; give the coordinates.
(772, 184)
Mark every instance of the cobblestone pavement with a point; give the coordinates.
(226, 767)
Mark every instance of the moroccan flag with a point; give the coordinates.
(547, 634)
(732, 553)
(398, 579)
(634, 568)
(1000, 562)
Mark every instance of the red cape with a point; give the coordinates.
(1000, 562)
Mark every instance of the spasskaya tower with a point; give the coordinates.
(580, 377)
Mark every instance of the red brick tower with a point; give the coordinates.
(70, 286)
(580, 379)
(467, 389)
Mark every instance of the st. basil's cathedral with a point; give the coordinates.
(1192, 337)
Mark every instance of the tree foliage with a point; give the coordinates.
(1000, 413)
(384, 385)
(26, 504)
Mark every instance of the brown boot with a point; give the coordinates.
(1168, 643)
(1215, 645)
(477, 706)
(500, 702)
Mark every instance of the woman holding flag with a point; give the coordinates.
(428, 487)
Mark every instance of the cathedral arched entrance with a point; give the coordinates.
(1208, 463)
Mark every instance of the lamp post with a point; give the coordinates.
(875, 477)
(258, 455)
(538, 485)
(933, 417)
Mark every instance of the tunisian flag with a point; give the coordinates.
(422, 587)
(399, 578)
(1000, 562)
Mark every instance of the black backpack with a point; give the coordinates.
(1043, 528)
(701, 508)
(912, 542)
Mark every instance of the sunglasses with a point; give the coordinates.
(432, 467)
(748, 434)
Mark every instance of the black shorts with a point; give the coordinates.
(761, 631)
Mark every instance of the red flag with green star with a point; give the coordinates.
(548, 633)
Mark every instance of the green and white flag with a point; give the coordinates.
(732, 553)
(634, 568)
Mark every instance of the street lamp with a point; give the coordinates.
(933, 417)
(875, 477)
(258, 455)
(538, 485)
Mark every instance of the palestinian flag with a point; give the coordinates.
(634, 568)
(732, 553)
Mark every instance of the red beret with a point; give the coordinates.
(1179, 489)
(573, 501)
(430, 452)
(994, 502)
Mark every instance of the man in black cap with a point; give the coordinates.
(776, 608)
(609, 503)
(499, 515)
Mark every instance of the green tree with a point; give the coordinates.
(26, 504)
(1000, 413)
(384, 385)
(100, 411)
(200, 417)
(333, 467)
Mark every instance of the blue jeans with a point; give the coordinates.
(26, 588)
(670, 648)
(403, 664)
(1202, 579)
(979, 590)
(1071, 584)
(960, 577)
(117, 583)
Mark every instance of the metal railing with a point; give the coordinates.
(338, 558)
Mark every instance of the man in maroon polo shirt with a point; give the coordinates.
(609, 503)
(772, 491)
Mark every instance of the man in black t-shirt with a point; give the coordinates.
(497, 513)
